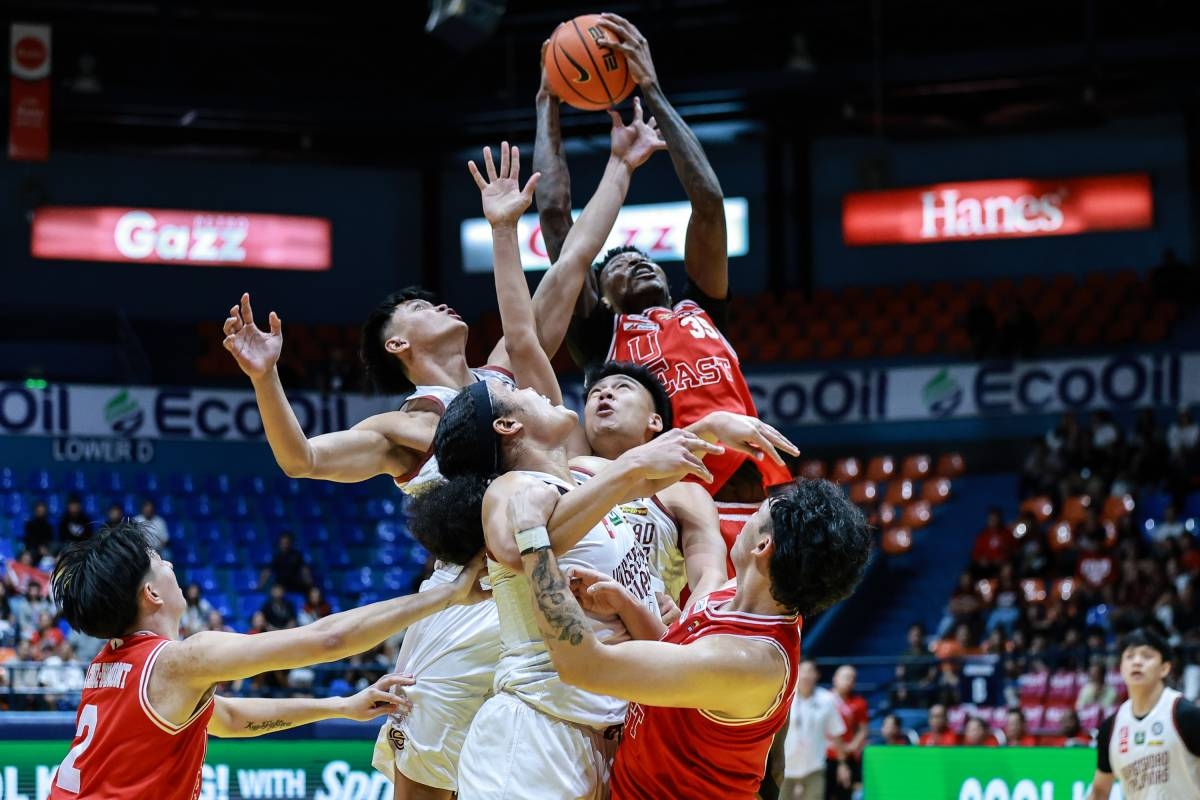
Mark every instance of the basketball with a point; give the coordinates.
(583, 74)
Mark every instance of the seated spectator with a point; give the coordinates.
(216, 622)
(1006, 611)
(1170, 527)
(1189, 555)
(964, 606)
(1147, 449)
(74, 524)
(982, 329)
(114, 515)
(1182, 437)
(1020, 332)
(1014, 730)
(278, 611)
(939, 732)
(1095, 568)
(39, 533)
(977, 734)
(195, 614)
(23, 572)
(287, 567)
(963, 644)
(892, 732)
(46, 637)
(258, 623)
(27, 610)
(160, 537)
(8, 627)
(315, 606)
(1070, 733)
(994, 546)
(1039, 472)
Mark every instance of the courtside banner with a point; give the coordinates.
(166, 236)
(658, 228)
(979, 773)
(997, 209)
(29, 92)
(238, 769)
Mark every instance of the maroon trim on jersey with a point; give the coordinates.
(425, 397)
(654, 499)
(401, 480)
(505, 372)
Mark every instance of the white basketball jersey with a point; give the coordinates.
(657, 533)
(1148, 755)
(525, 669)
(421, 477)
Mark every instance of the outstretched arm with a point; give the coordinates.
(554, 191)
(704, 551)
(705, 249)
(390, 443)
(239, 717)
(732, 676)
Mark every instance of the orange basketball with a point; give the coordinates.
(582, 73)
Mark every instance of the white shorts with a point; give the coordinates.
(453, 656)
(514, 752)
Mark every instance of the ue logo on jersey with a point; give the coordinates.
(1156, 728)
(1124, 739)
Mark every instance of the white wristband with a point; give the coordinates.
(532, 539)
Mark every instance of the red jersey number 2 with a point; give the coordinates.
(68, 774)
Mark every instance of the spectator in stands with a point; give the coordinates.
(994, 546)
(22, 572)
(8, 627)
(1039, 472)
(46, 637)
(814, 726)
(1014, 730)
(1095, 568)
(258, 623)
(914, 674)
(1183, 445)
(1033, 557)
(74, 524)
(160, 537)
(1070, 733)
(1170, 527)
(287, 567)
(963, 608)
(1191, 672)
(1189, 556)
(315, 606)
(963, 644)
(216, 622)
(981, 328)
(891, 732)
(195, 614)
(977, 734)
(939, 732)
(28, 610)
(278, 611)
(39, 533)
(856, 716)
(1006, 611)
(114, 515)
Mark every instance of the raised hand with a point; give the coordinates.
(637, 141)
(745, 434)
(544, 86)
(627, 39)
(504, 201)
(385, 696)
(255, 351)
(672, 456)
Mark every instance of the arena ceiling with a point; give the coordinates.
(364, 82)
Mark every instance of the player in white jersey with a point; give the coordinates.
(408, 340)
(1152, 744)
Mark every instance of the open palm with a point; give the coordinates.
(504, 201)
(638, 140)
(255, 351)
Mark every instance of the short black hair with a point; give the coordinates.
(612, 253)
(384, 371)
(1148, 637)
(447, 518)
(96, 580)
(822, 545)
(648, 380)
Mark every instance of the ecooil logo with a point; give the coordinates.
(124, 414)
(942, 394)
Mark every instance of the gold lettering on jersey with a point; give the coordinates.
(107, 676)
(1153, 770)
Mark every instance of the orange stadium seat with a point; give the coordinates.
(897, 541)
(846, 470)
(847, 329)
(912, 325)
(943, 290)
(799, 349)
(1063, 589)
(912, 292)
(1074, 509)
(899, 492)
(881, 327)
(893, 346)
(881, 468)
(1031, 288)
(1039, 506)
(1034, 590)
(916, 515)
(812, 468)
(951, 465)
(830, 349)
(958, 342)
(1061, 536)
(862, 347)
(887, 514)
(1116, 508)
(863, 492)
(768, 351)
(925, 344)
(929, 307)
(936, 491)
(916, 467)
(819, 329)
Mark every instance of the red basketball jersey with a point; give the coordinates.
(688, 753)
(699, 369)
(123, 749)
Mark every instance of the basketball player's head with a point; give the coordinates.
(624, 406)
(629, 282)
(109, 582)
(808, 542)
(485, 431)
(404, 324)
(1145, 659)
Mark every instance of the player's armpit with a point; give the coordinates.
(732, 677)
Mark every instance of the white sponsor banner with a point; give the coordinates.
(657, 228)
(141, 413)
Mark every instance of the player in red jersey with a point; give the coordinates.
(148, 705)
(706, 700)
(625, 311)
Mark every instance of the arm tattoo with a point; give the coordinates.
(562, 618)
(269, 725)
(691, 164)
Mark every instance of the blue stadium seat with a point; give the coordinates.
(335, 556)
(244, 580)
(252, 484)
(396, 580)
(273, 508)
(224, 605)
(203, 576)
(240, 507)
(183, 483)
(313, 534)
(8, 547)
(1191, 507)
(165, 505)
(209, 532)
(357, 581)
(1153, 505)
(388, 530)
(147, 483)
(344, 508)
(12, 504)
(247, 605)
(418, 555)
(224, 555)
(381, 508)
(244, 533)
(310, 508)
(92, 507)
(287, 487)
(259, 554)
(8, 479)
(387, 556)
(204, 506)
(219, 485)
(110, 482)
(39, 481)
(353, 535)
(189, 554)
(74, 481)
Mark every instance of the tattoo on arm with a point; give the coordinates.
(268, 725)
(562, 618)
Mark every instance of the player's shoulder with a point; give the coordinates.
(588, 465)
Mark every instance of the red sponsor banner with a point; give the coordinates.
(29, 92)
(1000, 209)
(163, 236)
